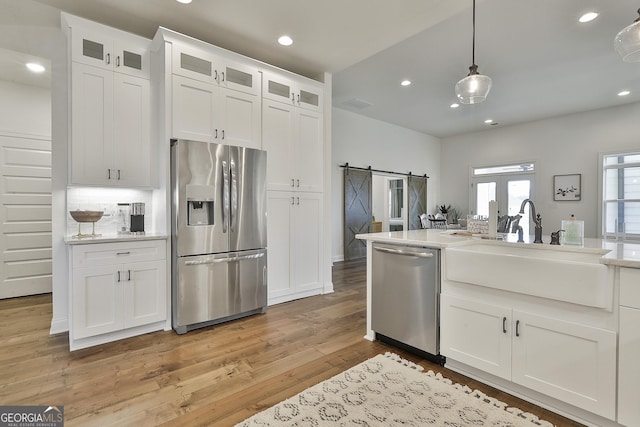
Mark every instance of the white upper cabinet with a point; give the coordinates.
(110, 128)
(201, 65)
(110, 107)
(293, 92)
(294, 141)
(215, 99)
(128, 56)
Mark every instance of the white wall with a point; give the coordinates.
(25, 109)
(563, 145)
(365, 142)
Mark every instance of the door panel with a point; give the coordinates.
(144, 293)
(307, 220)
(25, 216)
(280, 242)
(357, 211)
(96, 301)
(202, 220)
(417, 187)
(248, 221)
(278, 139)
(193, 109)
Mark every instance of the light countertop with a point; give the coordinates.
(622, 254)
(113, 238)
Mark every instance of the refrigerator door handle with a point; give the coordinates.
(234, 196)
(225, 196)
(213, 260)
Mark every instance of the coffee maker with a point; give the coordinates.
(137, 218)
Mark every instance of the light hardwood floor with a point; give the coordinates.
(216, 376)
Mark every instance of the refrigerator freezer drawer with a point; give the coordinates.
(214, 288)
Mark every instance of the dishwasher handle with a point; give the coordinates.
(405, 253)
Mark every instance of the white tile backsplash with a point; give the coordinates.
(106, 200)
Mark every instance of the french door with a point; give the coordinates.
(509, 190)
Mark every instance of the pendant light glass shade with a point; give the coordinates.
(474, 88)
(627, 42)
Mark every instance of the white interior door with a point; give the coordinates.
(25, 216)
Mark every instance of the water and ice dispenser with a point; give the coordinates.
(200, 203)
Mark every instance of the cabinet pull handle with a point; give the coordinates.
(293, 201)
(297, 183)
(517, 328)
(118, 174)
(222, 76)
(108, 58)
(222, 133)
(504, 325)
(118, 277)
(293, 99)
(118, 61)
(215, 136)
(293, 182)
(298, 201)
(129, 272)
(123, 253)
(215, 75)
(108, 173)
(298, 98)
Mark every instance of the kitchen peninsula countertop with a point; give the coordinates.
(114, 238)
(621, 254)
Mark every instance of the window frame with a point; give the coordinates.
(602, 201)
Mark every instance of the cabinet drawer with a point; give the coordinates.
(92, 255)
(630, 287)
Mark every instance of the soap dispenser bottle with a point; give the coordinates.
(573, 231)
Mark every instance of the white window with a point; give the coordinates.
(621, 195)
(508, 184)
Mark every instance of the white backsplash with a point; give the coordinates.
(106, 200)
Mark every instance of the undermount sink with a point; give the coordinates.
(558, 273)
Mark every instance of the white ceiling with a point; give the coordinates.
(542, 62)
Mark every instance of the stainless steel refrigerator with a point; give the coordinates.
(219, 233)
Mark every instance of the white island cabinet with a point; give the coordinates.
(569, 361)
(574, 352)
(117, 290)
(629, 352)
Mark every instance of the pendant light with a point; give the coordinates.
(474, 88)
(627, 42)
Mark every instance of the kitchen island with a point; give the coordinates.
(555, 325)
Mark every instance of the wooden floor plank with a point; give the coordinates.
(216, 376)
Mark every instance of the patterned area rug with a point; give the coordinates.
(390, 391)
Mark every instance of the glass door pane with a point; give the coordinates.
(485, 192)
(517, 192)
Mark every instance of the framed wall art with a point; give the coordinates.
(566, 187)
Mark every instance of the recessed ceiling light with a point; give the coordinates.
(285, 40)
(588, 17)
(35, 67)
(405, 82)
(624, 93)
(184, 1)
(454, 105)
(488, 121)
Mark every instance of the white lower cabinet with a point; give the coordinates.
(294, 230)
(116, 288)
(629, 348)
(572, 362)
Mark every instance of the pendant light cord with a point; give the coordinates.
(473, 40)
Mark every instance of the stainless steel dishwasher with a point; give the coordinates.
(405, 295)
